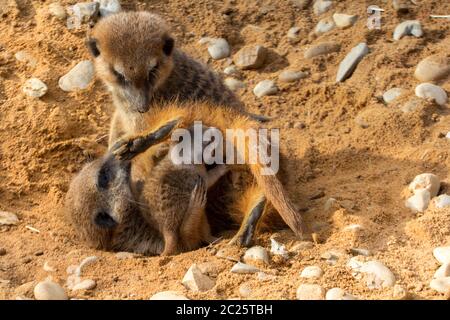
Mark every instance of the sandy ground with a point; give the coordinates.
(43, 142)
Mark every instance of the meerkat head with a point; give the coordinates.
(133, 56)
(99, 199)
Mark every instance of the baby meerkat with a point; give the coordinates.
(136, 57)
(162, 213)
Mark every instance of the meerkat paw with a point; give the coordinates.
(128, 148)
(198, 196)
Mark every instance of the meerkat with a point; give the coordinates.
(253, 202)
(162, 213)
(136, 57)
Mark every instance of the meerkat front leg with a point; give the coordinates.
(115, 131)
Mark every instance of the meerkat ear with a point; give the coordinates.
(92, 46)
(168, 45)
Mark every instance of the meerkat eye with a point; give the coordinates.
(104, 220)
(168, 45)
(120, 77)
(152, 73)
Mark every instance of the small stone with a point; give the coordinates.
(245, 290)
(250, 57)
(57, 10)
(338, 294)
(442, 254)
(447, 136)
(408, 28)
(310, 292)
(351, 60)
(353, 227)
(25, 57)
(49, 290)
(344, 20)
(321, 6)
(243, 268)
(72, 281)
(234, 84)
(392, 94)
(124, 255)
(78, 78)
(360, 252)
(400, 6)
(86, 262)
(82, 12)
(427, 181)
(442, 201)
(312, 272)
(293, 34)
(433, 68)
(168, 295)
(87, 284)
(108, 7)
(301, 4)
(323, 26)
(292, 76)
(399, 292)
(256, 253)
(48, 267)
(265, 88)
(219, 49)
(441, 285)
(231, 70)
(278, 249)
(322, 48)
(34, 88)
(8, 218)
(377, 275)
(443, 271)
(419, 201)
(196, 281)
(432, 92)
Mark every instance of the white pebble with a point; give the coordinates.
(57, 10)
(87, 284)
(250, 57)
(441, 285)
(419, 201)
(234, 84)
(231, 70)
(442, 201)
(399, 292)
(351, 60)
(339, 294)
(82, 12)
(293, 34)
(292, 76)
(25, 57)
(256, 253)
(168, 295)
(442, 254)
(447, 135)
(48, 290)
(344, 20)
(265, 88)
(432, 92)
(243, 268)
(408, 28)
(321, 6)
(8, 218)
(360, 252)
(443, 271)
(433, 68)
(86, 262)
(34, 88)
(109, 7)
(427, 181)
(324, 25)
(392, 94)
(196, 281)
(310, 292)
(49, 268)
(377, 275)
(78, 78)
(312, 272)
(278, 249)
(219, 49)
(321, 48)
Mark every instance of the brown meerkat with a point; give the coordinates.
(253, 206)
(136, 57)
(160, 215)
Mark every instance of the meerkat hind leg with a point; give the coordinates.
(246, 233)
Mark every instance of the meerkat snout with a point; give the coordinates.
(133, 56)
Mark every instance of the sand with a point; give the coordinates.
(44, 142)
